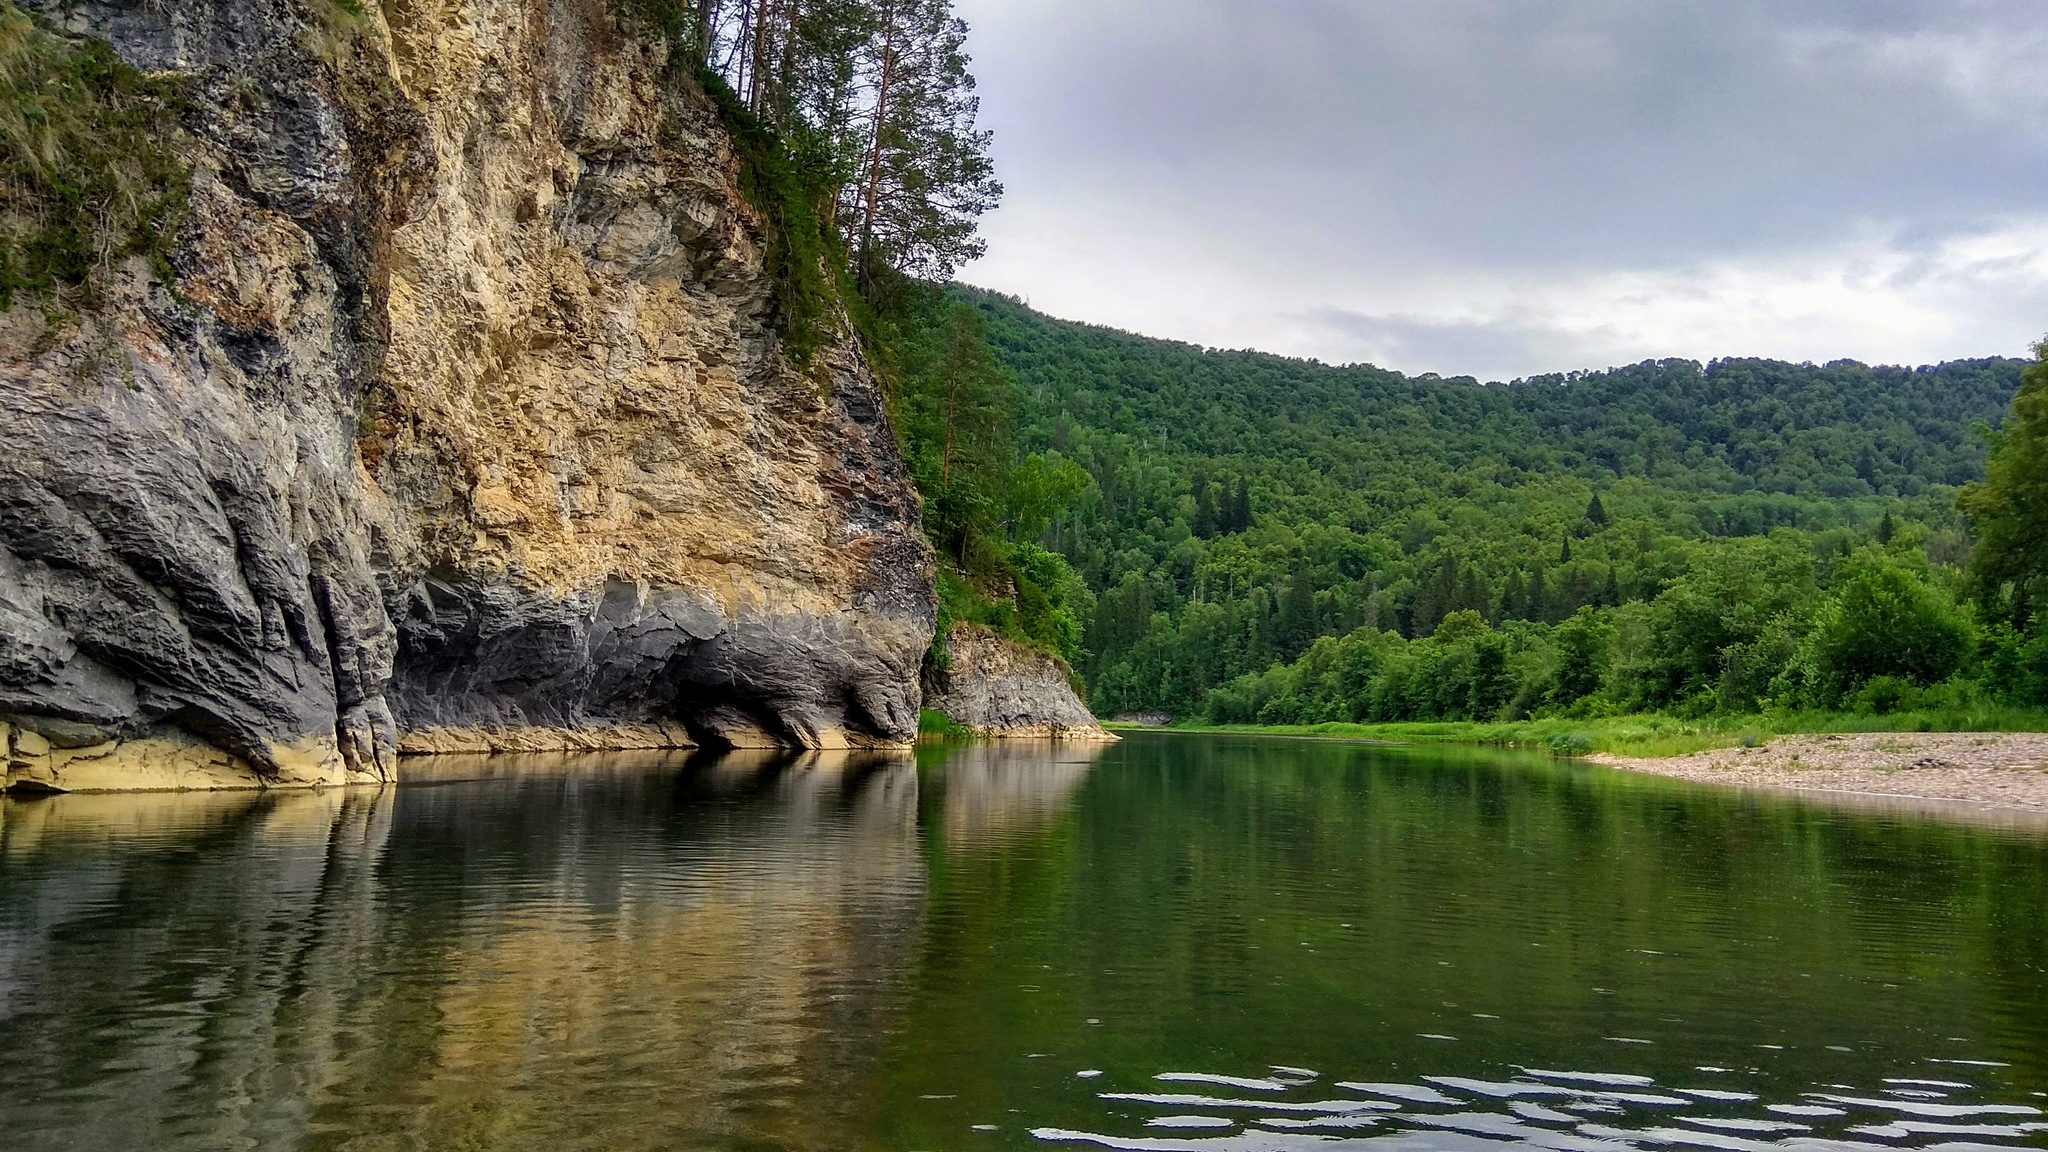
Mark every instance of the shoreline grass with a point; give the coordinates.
(1645, 735)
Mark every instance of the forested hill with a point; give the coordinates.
(1292, 499)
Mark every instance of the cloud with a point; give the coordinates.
(1512, 186)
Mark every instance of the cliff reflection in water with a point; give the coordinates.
(521, 952)
(994, 792)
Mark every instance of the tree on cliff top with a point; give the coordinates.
(880, 88)
(925, 176)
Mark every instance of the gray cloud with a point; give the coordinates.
(1470, 149)
(1488, 350)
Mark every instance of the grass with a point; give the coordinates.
(89, 170)
(937, 724)
(1652, 735)
(788, 182)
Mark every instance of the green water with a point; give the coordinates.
(1315, 945)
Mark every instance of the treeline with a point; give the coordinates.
(1830, 620)
(1485, 526)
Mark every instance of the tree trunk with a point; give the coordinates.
(946, 457)
(757, 87)
(874, 181)
(707, 26)
(741, 64)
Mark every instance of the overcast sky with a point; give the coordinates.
(1506, 187)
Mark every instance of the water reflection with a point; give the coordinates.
(523, 952)
(1164, 943)
(997, 791)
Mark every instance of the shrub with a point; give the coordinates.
(1585, 646)
(1885, 620)
(1884, 695)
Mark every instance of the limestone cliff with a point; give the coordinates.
(464, 424)
(992, 687)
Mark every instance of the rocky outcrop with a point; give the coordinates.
(993, 687)
(464, 424)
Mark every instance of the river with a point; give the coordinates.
(1171, 943)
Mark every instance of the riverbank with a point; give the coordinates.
(1989, 758)
(2001, 769)
(1646, 736)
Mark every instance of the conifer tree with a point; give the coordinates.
(1596, 514)
(1237, 515)
(1514, 597)
(1205, 507)
(924, 176)
(1296, 627)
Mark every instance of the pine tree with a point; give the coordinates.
(1437, 596)
(1565, 557)
(924, 176)
(1239, 514)
(1514, 598)
(1296, 626)
(1205, 508)
(1596, 515)
(1886, 529)
(1473, 594)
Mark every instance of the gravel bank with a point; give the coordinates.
(1996, 770)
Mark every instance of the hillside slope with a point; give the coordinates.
(1284, 499)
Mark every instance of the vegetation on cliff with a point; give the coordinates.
(89, 172)
(855, 122)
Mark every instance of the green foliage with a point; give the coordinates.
(984, 510)
(1244, 510)
(951, 407)
(2015, 664)
(940, 726)
(1660, 734)
(1707, 623)
(924, 176)
(89, 169)
(1585, 650)
(790, 182)
(2009, 510)
(1884, 621)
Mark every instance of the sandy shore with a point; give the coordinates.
(1985, 770)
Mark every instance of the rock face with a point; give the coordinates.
(465, 425)
(996, 688)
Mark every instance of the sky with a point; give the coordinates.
(1502, 188)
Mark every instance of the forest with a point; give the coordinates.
(1255, 539)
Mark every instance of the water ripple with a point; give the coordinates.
(1462, 1113)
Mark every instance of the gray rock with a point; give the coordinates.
(993, 687)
